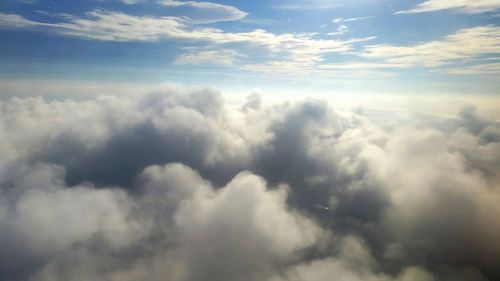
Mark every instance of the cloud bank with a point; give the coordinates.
(179, 184)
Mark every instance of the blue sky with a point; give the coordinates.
(379, 46)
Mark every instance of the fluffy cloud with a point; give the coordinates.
(177, 183)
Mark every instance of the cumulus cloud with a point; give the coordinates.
(177, 183)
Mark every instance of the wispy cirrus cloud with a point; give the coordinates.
(358, 18)
(464, 6)
(448, 54)
(283, 53)
(208, 56)
(300, 50)
(212, 12)
(478, 69)
(13, 21)
(207, 12)
(341, 29)
(339, 20)
(307, 6)
(463, 44)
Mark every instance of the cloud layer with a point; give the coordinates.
(179, 183)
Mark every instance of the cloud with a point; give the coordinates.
(478, 69)
(309, 6)
(213, 12)
(464, 44)
(341, 29)
(461, 53)
(358, 18)
(464, 6)
(288, 50)
(105, 26)
(287, 53)
(338, 20)
(131, 2)
(16, 21)
(204, 56)
(179, 182)
(204, 12)
(304, 58)
(246, 227)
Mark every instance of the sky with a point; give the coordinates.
(432, 47)
(250, 140)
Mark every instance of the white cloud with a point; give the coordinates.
(297, 53)
(16, 21)
(322, 5)
(212, 12)
(339, 20)
(289, 50)
(246, 226)
(465, 6)
(438, 55)
(479, 69)
(341, 29)
(305, 58)
(217, 57)
(360, 65)
(131, 2)
(106, 26)
(358, 18)
(463, 44)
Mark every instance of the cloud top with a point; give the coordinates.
(179, 183)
